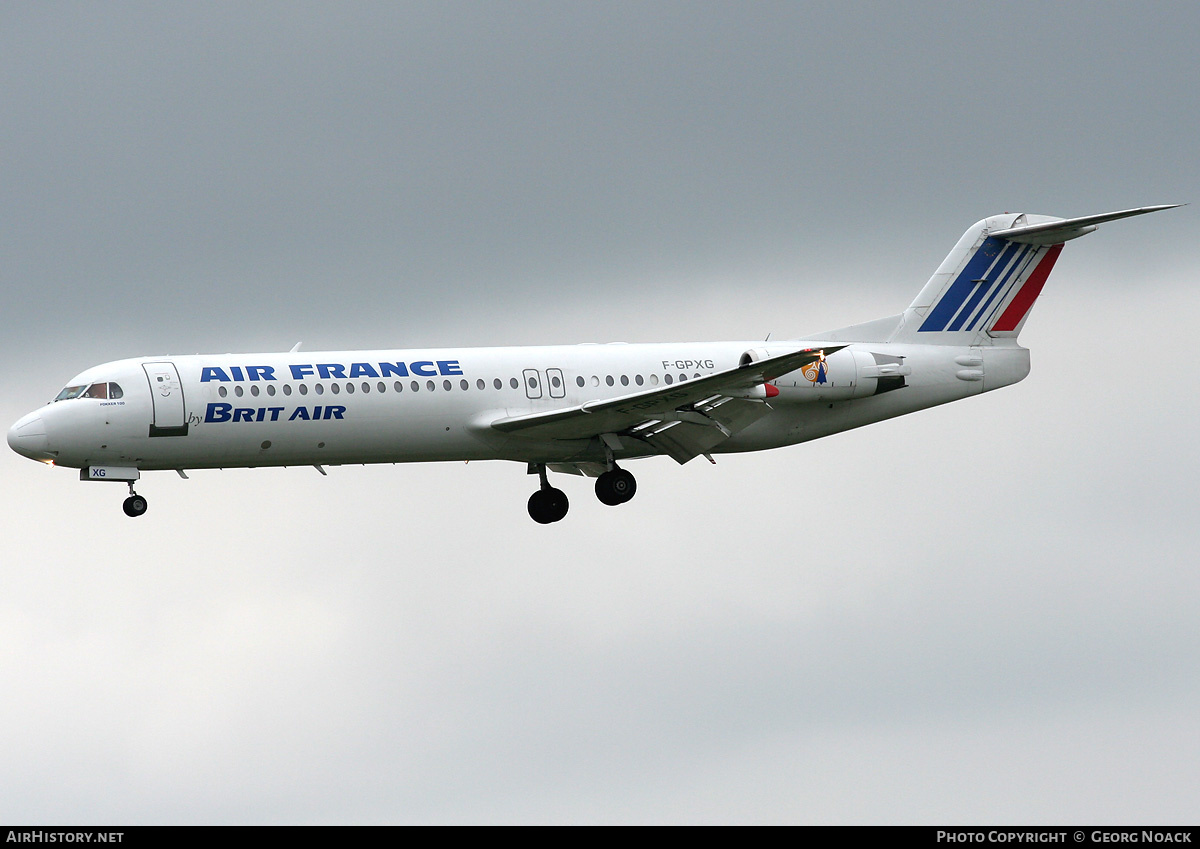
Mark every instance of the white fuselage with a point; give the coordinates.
(580, 409)
(388, 406)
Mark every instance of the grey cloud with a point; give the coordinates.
(979, 613)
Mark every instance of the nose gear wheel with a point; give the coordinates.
(135, 505)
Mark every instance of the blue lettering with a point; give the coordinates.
(212, 373)
(299, 413)
(333, 411)
(236, 371)
(363, 370)
(260, 372)
(218, 412)
(243, 414)
(275, 411)
(338, 371)
(317, 413)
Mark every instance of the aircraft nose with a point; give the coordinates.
(28, 438)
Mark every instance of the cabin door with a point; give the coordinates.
(166, 391)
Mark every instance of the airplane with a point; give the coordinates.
(578, 409)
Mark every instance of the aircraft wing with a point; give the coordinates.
(681, 420)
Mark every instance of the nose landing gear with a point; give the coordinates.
(135, 505)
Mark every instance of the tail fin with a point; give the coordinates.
(986, 286)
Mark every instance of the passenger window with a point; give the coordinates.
(465, 386)
(637, 378)
(382, 387)
(237, 390)
(416, 387)
(654, 380)
(608, 378)
(349, 388)
(668, 379)
(512, 381)
(595, 380)
(287, 389)
(270, 390)
(399, 386)
(319, 389)
(579, 381)
(624, 380)
(496, 383)
(430, 385)
(446, 385)
(222, 391)
(480, 384)
(254, 391)
(366, 387)
(555, 382)
(334, 388)
(303, 388)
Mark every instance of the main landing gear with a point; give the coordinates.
(135, 505)
(616, 486)
(548, 504)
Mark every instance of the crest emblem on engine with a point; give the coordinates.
(816, 371)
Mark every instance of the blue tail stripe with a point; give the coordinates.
(995, 305)
(1004, 261)
(963, 285)
(1013, 274)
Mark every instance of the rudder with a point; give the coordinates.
(987, 285)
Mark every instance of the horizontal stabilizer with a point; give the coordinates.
(1063, 230)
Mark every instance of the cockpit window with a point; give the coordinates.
(96, 390)
(71, 392)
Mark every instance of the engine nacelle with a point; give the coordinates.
(756, 354)
(832, 378)
(827, 379)
(763, 391)
(852, 372)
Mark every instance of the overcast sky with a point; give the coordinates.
(980, 613)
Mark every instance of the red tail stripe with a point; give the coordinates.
(1029, 292)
